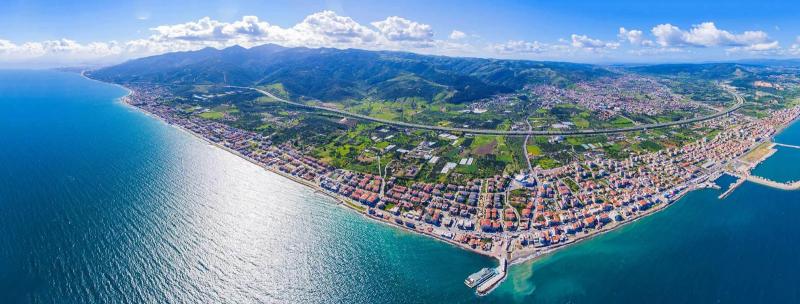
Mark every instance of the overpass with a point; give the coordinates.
(739, 104)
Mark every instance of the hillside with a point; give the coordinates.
(335, 74)
(706, 71)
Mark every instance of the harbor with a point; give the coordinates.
(487, 279)
(732, 187)
(750, 161)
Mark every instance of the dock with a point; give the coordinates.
(773, 184)
(787, 146)
(490, 284)
(739, 181)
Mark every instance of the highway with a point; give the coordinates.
(739, 99)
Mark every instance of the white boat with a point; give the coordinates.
(479, 277)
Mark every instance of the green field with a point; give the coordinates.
(212, 115)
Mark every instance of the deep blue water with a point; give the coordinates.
(100, 203)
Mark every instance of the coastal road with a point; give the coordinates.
(739, 103)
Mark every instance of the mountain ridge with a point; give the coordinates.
(350, 74)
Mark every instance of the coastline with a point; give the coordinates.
(340, 200)
(497, 253)
(535, 255)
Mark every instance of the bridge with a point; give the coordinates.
(739, 104)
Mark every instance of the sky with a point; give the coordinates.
(50, 33)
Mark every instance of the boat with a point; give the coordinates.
(479, 277)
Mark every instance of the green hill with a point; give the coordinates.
(335, 74)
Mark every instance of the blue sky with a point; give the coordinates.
(62, 33)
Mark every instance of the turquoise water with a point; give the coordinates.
(100, 203)
(784, 165)
(790, 135)
(742, 249)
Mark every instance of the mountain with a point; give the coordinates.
(343, 74)
(772, 62)
(713, 71)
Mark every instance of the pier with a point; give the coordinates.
(739, 181)
(789, 186)
(787, 146)
(489, 285)
(773, 184)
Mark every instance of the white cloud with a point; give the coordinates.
(586, 43)
(758, 47)
(794, 50)
(322, 29)
(456, 35)
(668, 35)
(707, 34)
(328, 28)
(63, 47)
(400, 29)
(634, 37)
(520, 46)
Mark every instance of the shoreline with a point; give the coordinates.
(497, 253)
(534, 256)
(528, 257)
(342, 201)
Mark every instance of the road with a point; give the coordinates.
(739, 99)
(525, 144)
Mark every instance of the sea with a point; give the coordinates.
(101, 203)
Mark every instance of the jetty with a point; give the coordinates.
(790, 186)
(787, 146)
(739, 181)
(487, 286)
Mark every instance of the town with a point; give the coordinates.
(510, 217)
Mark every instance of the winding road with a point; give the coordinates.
(739, 103)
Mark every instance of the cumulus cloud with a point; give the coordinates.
(400, 29)
(634, 37)
(325, 28)
(63, 48)
(456, 35)
(321, 29)
(328, 28)
(586, 43)
(707, 34)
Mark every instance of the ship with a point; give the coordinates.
(479, 277)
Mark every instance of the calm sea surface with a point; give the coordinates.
(100, 203)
